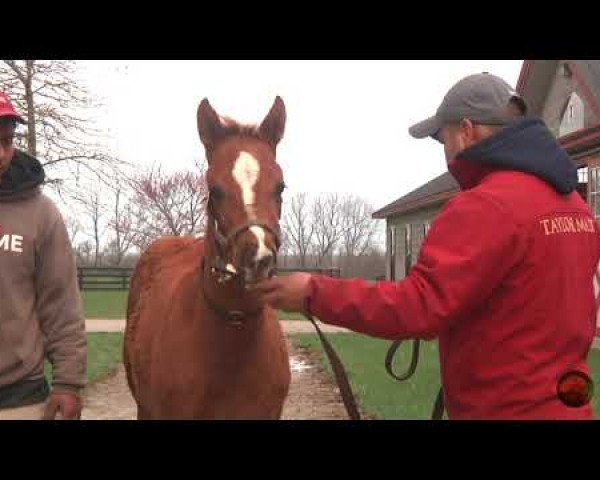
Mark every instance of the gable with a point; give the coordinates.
(573, 115)
(568, 107)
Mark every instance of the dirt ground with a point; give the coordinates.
(311, 397)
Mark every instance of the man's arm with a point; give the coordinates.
(467, 252)
(59, 309)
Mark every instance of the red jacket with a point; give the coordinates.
(504, 281)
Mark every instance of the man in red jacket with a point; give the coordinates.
(504, 279)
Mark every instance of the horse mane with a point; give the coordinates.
(230, 127)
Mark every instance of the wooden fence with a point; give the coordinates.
(117, 278)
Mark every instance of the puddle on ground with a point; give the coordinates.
(297, 365)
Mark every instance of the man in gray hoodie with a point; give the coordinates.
(40, 307)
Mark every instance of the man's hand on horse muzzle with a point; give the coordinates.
(65, 403)
(287, 293)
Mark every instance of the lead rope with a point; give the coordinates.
(438, 407)
(339, 372)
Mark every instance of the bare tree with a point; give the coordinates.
(359, 228)
(74, 227)
(54, 102)
(93, 208)
(285, 250)
(358, 250)
(166, 204)
(328, 225)
(298, 227)
(83, 252)
(121, 223)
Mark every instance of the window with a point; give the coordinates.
(594, 191)
(391, 245)
(582, 174)
(404, 246)
(400, 260)
(582, 181)
(396, 245)
(417, 234)
(407, 249)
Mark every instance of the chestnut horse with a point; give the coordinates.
(197, 344)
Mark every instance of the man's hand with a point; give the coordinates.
(68, 404)
(284, 293)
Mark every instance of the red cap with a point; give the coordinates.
(7, 109)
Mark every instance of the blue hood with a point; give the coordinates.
(527, 146)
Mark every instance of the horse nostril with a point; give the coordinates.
(250, 256)
(265, 262)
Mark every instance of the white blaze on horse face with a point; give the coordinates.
(246, 172)
(263, 251)
(230, 268)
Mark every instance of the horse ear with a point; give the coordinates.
(273, 126)
(209, 125)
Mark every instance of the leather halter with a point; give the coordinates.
(235, 318)
(220, 271)
(225, 241)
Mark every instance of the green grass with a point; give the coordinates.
(290, 316)
(379, 394)
(594, 363)
(109, 304)
(105, 353)
(112, 304)
(383, 397)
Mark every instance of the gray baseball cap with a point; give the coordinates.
(482, 98)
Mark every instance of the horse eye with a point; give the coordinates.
(215, 193)
(279, 189)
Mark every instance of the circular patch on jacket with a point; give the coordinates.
(575, 389)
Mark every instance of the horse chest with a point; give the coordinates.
(222, 374)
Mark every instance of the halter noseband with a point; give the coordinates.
(221, 269)
(224, 242)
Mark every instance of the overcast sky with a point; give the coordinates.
(347, 121)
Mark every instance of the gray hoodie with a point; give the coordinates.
(40, 307)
